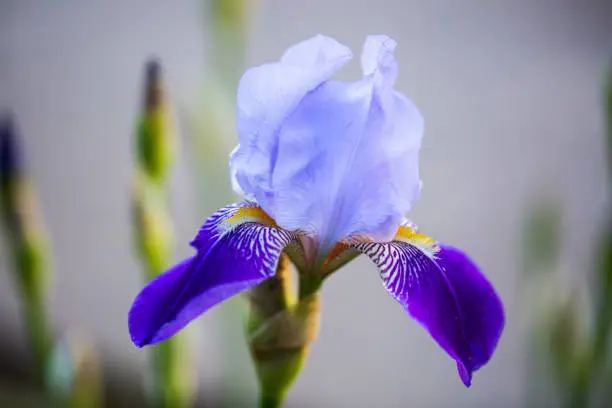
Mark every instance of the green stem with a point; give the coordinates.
(30, 265)
(271, 401)
(309, 285)
(155, 147)
(172, 387)
(173, 383)
(579, 393)
(280, 331)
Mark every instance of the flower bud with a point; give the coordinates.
(11, 169)
(27, 242)
(155, 132)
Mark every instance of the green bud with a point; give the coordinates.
(172, 379)
(230, 13)
(26, 239)
(155, 132)
(229, 26)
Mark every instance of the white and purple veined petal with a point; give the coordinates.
(237, 248)
(447, 294)
(332, 159)
(334, 164)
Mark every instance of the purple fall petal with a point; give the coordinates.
(223, 267)
(449, 296)
(481, 307)
(212, 228)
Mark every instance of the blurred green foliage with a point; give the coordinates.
(25, 239)
(70, 382)
(228, 30)
(577, 348)
(73, 374)
(608, 113)
(542, 235)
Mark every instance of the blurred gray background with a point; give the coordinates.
(511, 94)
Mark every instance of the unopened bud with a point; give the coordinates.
(155, 133)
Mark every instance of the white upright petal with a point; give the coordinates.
(332, 159)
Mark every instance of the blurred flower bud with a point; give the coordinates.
(10, 154)
(155, 133)
(27, 242)
(230, 13)
(11, 168)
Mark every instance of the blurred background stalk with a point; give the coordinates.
(173, 383)
(211, 130)
(69, 371)
(228, 31)
(578, 349)
(26, 241)
(74, 373)
(212, 125)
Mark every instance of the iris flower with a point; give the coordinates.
(328, 170)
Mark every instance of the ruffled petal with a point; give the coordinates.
(448, 295)
(266, 96)
(344, 161)
(234, 253)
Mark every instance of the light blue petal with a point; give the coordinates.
(344, 159)
(266, 96)
(377, 57)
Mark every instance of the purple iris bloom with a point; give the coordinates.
(328, 169)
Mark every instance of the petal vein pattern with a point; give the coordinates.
(234, 254)
(447, 294)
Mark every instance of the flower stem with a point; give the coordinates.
(25, 236)
(271, 401)
(280, 330)
(173, 384)
(309, 285)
